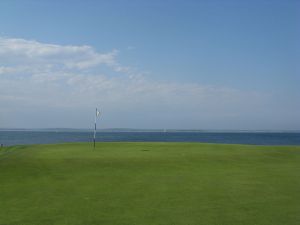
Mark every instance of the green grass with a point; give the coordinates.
(149, 184)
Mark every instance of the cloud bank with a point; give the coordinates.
(48, 85)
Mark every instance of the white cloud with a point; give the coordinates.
(27, 51)
(35, 76)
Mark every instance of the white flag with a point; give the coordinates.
(98, 113)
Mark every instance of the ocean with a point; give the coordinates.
(8, 138)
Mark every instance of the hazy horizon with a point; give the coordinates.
(140, 129)
(205, 65)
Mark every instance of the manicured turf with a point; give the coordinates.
(149, 184)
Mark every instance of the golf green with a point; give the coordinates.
(149, 184)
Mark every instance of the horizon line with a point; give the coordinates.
(149, 129)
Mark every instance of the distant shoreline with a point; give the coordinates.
(144, 130)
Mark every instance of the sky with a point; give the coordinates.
(150, 64)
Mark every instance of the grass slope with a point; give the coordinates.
(149, 184)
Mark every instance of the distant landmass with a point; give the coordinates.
(145, 130)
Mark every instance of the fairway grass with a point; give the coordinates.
(149, 184)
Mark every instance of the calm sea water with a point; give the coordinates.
(42, 137)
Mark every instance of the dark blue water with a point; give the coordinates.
(43, 137)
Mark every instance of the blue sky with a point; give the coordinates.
(150, 64)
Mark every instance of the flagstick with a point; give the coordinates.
(95, 128)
